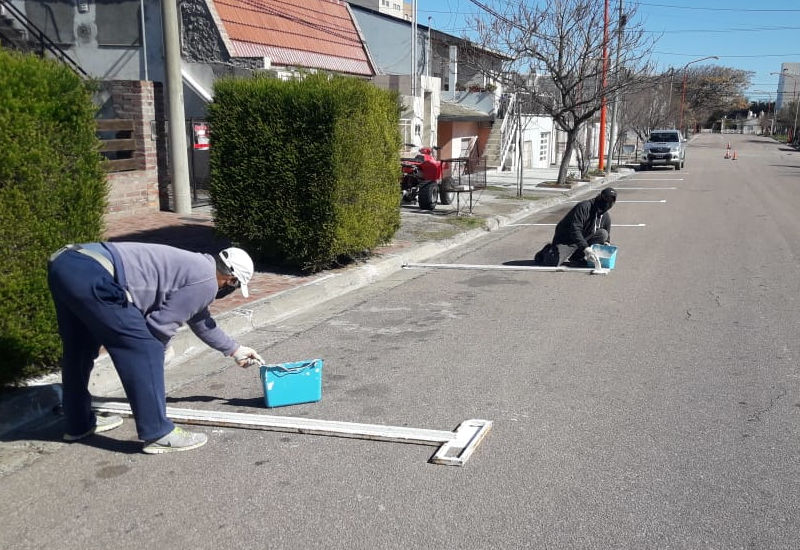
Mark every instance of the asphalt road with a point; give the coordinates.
(656, 407)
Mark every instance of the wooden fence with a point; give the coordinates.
(118, 145)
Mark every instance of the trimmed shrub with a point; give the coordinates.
(305, 172)
(52, 192)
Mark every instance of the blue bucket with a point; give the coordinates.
(607, 254)
(292, 383)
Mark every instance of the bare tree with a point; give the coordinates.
(650, 106)
(711, 90)
(563, 41)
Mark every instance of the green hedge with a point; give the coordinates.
(305, 172)
(52, 192)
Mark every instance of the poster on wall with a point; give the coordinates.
(201, 137)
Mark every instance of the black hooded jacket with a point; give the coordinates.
(579, 224)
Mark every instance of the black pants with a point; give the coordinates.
(575, 253)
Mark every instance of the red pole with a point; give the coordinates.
(602, 149)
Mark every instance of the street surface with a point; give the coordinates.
(656, 407)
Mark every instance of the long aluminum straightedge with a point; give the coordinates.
(490, 267)
(455, 447)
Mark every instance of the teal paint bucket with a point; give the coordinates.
(292, 383)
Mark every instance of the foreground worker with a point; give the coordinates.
(586, 224)
(131, 298)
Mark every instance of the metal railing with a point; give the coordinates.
(39, 38)
(508, 131)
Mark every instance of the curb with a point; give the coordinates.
(35, 401)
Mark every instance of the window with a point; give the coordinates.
(664, 137)
(118, 22)
(56, 20)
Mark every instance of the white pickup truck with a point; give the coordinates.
(664, 148)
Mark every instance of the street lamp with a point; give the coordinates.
(683, 94)
(786, 73)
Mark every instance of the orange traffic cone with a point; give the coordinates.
(734, 155)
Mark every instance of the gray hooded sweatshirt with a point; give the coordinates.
(170, 287)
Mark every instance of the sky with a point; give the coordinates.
(745, 34)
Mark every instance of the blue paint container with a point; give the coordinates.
(292, 383)
(607, 254)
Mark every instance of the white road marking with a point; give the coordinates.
(490, 267)
(662, 200)
(645, 188)
(655, 179)
(552, 224)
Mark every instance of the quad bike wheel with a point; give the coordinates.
(446, 193)
(428, 196)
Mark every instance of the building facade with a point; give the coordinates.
(788, 87)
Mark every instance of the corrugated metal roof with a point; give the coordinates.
(317, 34)
(455, 112)
(295, 58)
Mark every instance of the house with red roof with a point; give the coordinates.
(120, 43)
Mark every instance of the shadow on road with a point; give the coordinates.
(254, 402)
(519, 262)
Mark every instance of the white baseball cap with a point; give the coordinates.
(240, 265)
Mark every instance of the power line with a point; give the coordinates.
(731, 56)
(740, 10)
(729, 30)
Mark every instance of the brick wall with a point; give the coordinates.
(138, 191)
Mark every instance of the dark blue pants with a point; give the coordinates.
(93, 311)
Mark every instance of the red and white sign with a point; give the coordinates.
(202, 141)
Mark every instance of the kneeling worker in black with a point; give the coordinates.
(586, 224)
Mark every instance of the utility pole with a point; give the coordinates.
(615, 100)
(429, 50)
(414, 50)
(669, 98)
(602, 144)
(178, 157)
(519, 150)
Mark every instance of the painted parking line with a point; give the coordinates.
(645, 188)
(552, 224)
(655, 179)
(617, 202)
(491, 267)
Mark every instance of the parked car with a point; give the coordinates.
(664, 148)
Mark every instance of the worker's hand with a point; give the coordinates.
(591, 256)
(247, 357)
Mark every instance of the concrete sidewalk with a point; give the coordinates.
(277, 294)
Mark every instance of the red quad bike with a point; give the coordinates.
(422, 179)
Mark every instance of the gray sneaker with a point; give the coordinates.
(103, 424)
(176, 440)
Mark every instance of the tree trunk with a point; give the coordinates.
(587, 157)
(562, 170)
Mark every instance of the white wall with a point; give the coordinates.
(538, 138)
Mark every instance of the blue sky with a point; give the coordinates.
(751, 35)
